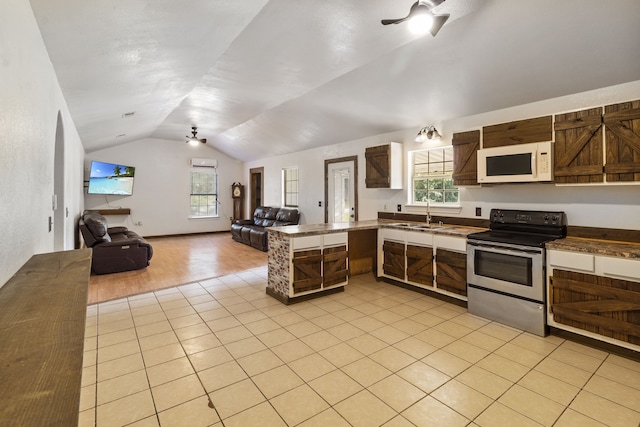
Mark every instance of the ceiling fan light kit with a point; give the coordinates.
(421, 18)
(194, 140)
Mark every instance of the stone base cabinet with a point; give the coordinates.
(425, 260)
(595, 296)
(300, 266)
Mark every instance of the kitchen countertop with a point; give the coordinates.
(314, 229)
(596, 247)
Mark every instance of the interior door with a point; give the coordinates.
(341, 191)
(256, 189)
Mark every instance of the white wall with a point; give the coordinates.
(611, 206)
(30, 99)
(160, 197)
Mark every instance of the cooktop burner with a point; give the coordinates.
(525, 228)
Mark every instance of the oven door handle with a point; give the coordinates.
(505, 248)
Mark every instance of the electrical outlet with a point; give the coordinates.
(399, 208)
(478, 211)
(385, 207)
(319, 203)
(230, 218)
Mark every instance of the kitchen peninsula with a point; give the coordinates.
(308, 261)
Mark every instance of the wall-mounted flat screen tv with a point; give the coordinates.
(110, 178)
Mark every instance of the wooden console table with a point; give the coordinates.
(42, 320)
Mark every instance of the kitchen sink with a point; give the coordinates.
(417, 225)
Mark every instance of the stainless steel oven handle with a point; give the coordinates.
(505, 248)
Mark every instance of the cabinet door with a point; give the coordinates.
(378, 166)
(307, 270)
(420, 264)
(334, 265)
(451, 270)
(622, 123)
(579, 148)
(465, 157)
(393, 259)
(538, 129)
(602, 305)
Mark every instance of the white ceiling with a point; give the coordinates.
(267, 77)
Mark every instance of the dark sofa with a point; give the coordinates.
(253, 231)
(115, 249)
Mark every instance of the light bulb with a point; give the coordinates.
(421, 23)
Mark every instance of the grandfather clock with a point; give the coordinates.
(237, 192)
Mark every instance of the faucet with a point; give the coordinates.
(428, 217)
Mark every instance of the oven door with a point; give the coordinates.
(505, 268)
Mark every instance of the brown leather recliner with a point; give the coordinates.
(253, 232)
(115, 249)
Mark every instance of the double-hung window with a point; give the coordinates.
(431, 178)
(290, 187)
(203, 199)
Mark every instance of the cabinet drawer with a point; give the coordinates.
(306, 242)
(619, 267)
(420, 238)
(572, 260)
(397, 235)
(335, 239)
(447, 242)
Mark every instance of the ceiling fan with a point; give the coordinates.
(421, 19)
(194, 140)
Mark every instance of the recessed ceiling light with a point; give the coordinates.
(129, 114)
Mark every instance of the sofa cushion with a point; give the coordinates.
(287, 216)
(259, 215)
(97, 225)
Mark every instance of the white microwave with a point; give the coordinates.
(516, 163)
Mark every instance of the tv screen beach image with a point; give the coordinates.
(108, 178)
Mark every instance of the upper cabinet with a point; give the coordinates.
(465, 157)
(622, 124)
(539, 129)
(384, 166)
(578, 147)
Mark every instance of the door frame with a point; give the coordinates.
(327, 162)
(255, 187)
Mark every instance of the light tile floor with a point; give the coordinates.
(223, 353)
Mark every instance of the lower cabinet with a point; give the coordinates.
(420, 264)
(318, 262)
(596, 296)
(423, 259)
(451, 270)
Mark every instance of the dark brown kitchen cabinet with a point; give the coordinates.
(465, 157)
(394, 254)
(538, 129)
(383, 166)
(622, 124)
(420, 264)
(307, 270)
(334, 263)
(451, 271)
(579, 147)
(598, 304)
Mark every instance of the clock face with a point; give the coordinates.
(236, 191)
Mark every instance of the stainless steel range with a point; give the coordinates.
(506, 267)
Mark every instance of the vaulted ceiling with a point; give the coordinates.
(266, 77)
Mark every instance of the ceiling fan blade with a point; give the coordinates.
(438, 22)
(393, 21)
(399, 20)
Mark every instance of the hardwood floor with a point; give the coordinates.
(178, 260)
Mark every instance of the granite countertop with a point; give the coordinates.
(596, 247)
(314, 229)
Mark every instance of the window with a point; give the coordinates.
(290, 187)
(204, 193)
(431, 179)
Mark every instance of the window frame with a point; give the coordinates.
(446, 175)
(287, 183)
(211, 171)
